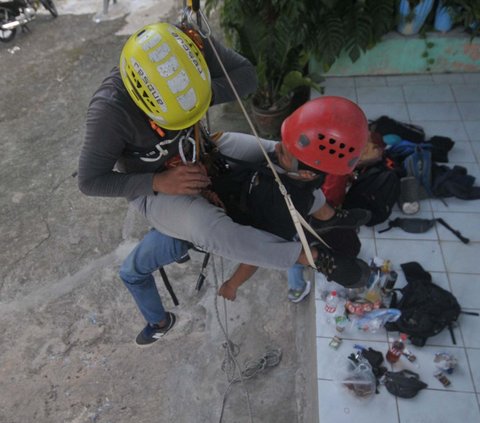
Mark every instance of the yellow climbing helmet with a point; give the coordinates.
(166, 75)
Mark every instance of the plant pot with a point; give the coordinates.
(300, 96)
(411, 21)
(443, 18)
(269, 122)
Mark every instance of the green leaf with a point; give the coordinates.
(330, 38)
(295, 79)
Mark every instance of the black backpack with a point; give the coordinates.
(252, 197)
(426, 307)
(377, 188)
(407, 131)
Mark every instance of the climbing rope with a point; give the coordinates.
(297, 219)
(272, 357)
(230, 365)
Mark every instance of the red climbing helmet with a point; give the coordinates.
(327, 133)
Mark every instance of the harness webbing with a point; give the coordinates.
(297, 219)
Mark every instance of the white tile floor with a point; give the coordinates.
(447, 105)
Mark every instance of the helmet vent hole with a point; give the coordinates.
(351, 150)
(331, 151)
(322, 147)
(341, 156)
(342, 145)
(332, 141)
(140, 33)
(321, 136)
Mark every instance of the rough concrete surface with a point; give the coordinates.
(67, 324)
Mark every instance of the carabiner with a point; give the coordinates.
(198, 27)
(181, 150)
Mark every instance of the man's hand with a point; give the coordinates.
(181, 180)
(228, 291)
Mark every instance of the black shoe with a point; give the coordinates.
(347, 219)
(349, 272)
(152, 333)
(183, 259)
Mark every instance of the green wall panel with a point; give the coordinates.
(398, 54)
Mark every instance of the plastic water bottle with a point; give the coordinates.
(331, 304)
(396, 350)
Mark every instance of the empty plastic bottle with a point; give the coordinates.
(331, 304)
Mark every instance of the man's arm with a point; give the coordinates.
(240, 70)
(103, 145)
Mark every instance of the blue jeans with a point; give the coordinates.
(154, 251)
(295, 277)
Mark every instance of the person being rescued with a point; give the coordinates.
(250, 194)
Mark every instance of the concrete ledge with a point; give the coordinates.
(306, 345)
(399, 54)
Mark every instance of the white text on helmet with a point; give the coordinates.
(189, 53)
(153, 90)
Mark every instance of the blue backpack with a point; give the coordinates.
(419, 165)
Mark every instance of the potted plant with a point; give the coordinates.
(347, 26)
(280, 37)
(268, 34)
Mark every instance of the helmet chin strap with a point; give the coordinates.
(297, 219)
(294, 164)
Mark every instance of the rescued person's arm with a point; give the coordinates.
(228, 290)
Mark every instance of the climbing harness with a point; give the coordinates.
(299, 222)
(197, 147)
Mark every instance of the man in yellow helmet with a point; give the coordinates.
(137, 123)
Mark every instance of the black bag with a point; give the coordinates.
(416, 225)
(386, 125)
(252, 197)
(377, 189)
(426, 307)
(403, 384)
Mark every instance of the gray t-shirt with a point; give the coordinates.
(121, 151)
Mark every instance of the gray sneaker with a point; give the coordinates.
(295, 296)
